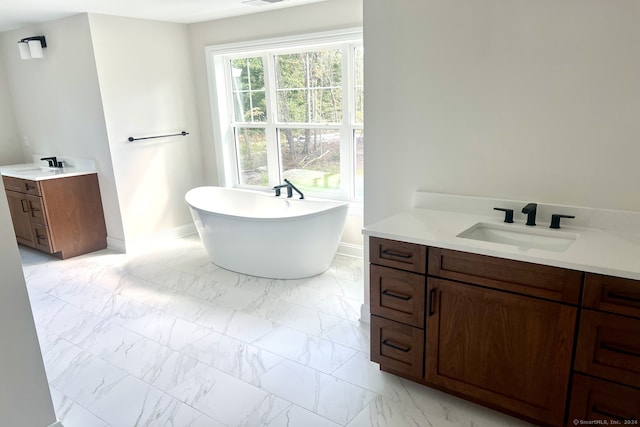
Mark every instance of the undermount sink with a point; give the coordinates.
(523, 238)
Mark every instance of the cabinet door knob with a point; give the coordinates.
(432, 295)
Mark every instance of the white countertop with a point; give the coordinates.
(608, 242)
(37, 172)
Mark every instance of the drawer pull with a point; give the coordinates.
(432, 294)
(40, 237)
(35, 209)
(622, 297)
(25, 208)
(395, 295)
(395, 346)
(610, 347)
(397, 254)
(29, 187)
(597, 410)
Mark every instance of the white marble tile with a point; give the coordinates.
(87, 379)
(202, 312)
(71, 414)
(350, 334)
(58, 354)
(234, 357)
(141, 357)
(246, 327)
(361, 371)
(131, 402)
(320, 393)
(145, 292)
(73, 323)
(308, 320)
(229, 400)
(296, 416)
(45, 307)
(305, 349)
(166, 329)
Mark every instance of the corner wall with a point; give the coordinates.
(10, 148)
(518, 99)
(24, 392)
(57, 102)
(145, 74)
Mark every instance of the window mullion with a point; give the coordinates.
(347, 143)
(273, 149)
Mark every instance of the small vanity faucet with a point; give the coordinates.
(290, 189)
(53, 162)
(530, 210)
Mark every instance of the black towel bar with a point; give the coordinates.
(183, 133)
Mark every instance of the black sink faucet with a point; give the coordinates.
(530, 210)
(53, 162)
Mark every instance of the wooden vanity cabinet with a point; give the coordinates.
(495, 331)
(61, 216)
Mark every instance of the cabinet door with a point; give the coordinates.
(596, 400)
(609, 347)
(20, 215)
(500, 349)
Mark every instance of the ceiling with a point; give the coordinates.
(16, 14)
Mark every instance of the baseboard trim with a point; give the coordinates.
(141, 243)
(365, 313)
(349, 249)
(116, 244)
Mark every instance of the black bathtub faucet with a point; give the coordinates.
(290, 188)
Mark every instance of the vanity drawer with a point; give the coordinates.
(398, 295)
(612, 294)
(608, 347)
(593, 399)
(42, 238)
(397, 347)
(552, 283)
(402, 255)
(21, 185)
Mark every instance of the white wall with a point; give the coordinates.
(520, 99)
(24, 392)
(57, 102)
(10, 148)
(146, 79)
(317, 17)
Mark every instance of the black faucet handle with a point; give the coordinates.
(555, 220)
(508, 214)
(53, 161)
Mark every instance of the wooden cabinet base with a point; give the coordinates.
(60, 216)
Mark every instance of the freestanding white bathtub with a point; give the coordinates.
(262, 235)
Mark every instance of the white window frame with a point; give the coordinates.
(221, 106)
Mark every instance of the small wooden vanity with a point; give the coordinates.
(62, 216)
(547, 344)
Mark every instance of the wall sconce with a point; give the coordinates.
(31, 47)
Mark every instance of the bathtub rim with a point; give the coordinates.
(334, 205)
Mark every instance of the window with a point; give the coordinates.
(291, 108)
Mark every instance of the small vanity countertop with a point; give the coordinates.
(37, 172)
(608, 242)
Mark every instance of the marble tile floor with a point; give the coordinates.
(165, 338)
